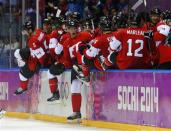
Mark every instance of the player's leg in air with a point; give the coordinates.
(28, 67)
(54, 70)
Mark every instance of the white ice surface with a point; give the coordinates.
(12, 124)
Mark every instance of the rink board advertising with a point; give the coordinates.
(141, 98)
(132, 97)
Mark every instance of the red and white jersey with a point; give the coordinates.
(161, 26)
(62, 53)
(37, 39)
(55, 34)
(36, 45)
(161, 31)
(99, 47)
(156, 27)
(51, 42)
(67, 49)
(64, 37)
(165, 53)
(132, 48)
(82, 37)
(48, 42)
(159, 39)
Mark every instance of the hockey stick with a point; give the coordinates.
(145, 3)
(137, 4)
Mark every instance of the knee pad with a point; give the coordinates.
(57, 69)
(76, 86)
(19, 59)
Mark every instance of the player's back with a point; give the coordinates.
(134, 53)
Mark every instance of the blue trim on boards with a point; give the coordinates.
(7, 69)
(94, 70)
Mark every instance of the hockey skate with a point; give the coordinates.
(2, 113)
(54, 97)
(80, 76)
(19, 91)
(74, 118)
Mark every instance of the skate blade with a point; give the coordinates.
(20, 94)
(76, 121)
(54, 102)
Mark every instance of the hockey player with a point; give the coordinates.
(94, 55)
(59, 51)
(164, 44)
(155, 19)
(99, 47)
(62, 52)
(131, 49)
(160, 27)
(73, 43)
(30, 58)
(159, 30)
(98, 50)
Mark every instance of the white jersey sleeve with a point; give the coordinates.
(115, 45)
(163, 29)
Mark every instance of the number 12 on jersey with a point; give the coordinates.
(135, 52)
